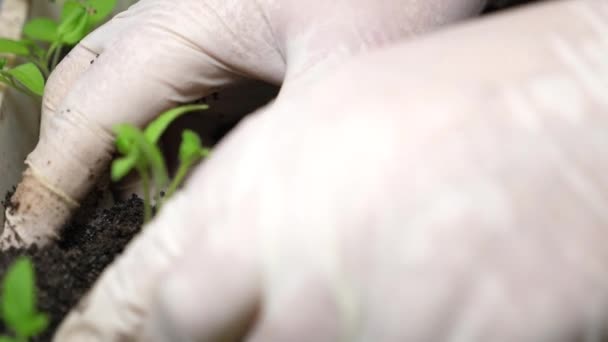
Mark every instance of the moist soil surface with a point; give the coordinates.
(67, 269)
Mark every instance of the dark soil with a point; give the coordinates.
(67, 269)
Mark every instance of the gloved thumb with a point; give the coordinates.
(133, 279)
(211, 294)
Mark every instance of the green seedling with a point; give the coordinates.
(45, 39)
(25, 77)
(140, 152)
(19, 311)
(191, 150)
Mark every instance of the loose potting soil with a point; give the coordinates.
(67, 269)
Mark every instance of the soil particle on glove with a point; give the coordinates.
(66, 270)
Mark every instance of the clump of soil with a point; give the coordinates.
(66, 270)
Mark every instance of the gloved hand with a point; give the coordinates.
(160, 53)
(459, 198)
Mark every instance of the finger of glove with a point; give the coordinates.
(161, 69)
(80, 58)
(304, 309)
(210, 294)
(46, 203)
(315, 44)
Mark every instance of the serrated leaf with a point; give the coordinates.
(18, 293)
(157, 127)
(29, 76)
(43, 29)
(16, 47)
(101, 10)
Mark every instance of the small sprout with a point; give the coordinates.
(140, 152)
(191, 150)
(18, 309)
(41, 29)
(157, 127)
(78, 18)
(14, 46)
(143, 156)
(26, 78)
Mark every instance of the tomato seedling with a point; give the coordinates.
(19, 311)
(191, 150)
(25, 77)
(78, 18)
(141, 153)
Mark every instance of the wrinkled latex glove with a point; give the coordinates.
(458, 199)
(160, 53)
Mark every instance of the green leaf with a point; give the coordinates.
(43, 29)
(14, 46)
(30, 76)
(191, 148)
(156, 128)
(34, 325)
(18, 294)
(124, 144)
(150, 153)
(80, 31)
(68, 9)
(101, 10)
(7, 339)
(122, 166)
(2, 63)
(74, 27)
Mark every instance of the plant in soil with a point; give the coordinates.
(19, 297)
(67, 268)
(141, 153)
(44, 41)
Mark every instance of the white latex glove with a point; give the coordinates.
(454, 199)
(160, 53)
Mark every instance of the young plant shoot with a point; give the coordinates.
(141, 153)
(191, 150)
(25, 77)
(19, 311)
(44, 41)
